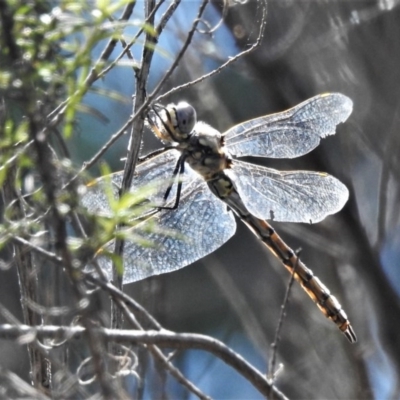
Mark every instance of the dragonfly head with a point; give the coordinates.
(186, 118)
(175, 122)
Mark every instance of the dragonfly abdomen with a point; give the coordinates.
(311, 284)
(318, 292)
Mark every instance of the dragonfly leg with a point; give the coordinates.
(178, 172)
(154, 153)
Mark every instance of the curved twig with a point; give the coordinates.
(167, 339)
(228, 62)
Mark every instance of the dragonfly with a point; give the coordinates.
(203, 186)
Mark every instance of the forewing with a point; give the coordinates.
(199, 226)
(292, 196)
(291, 133)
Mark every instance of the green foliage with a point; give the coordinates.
(46, 53)
(45, 61)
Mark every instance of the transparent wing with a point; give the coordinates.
(292, 196)
(155, 173)
(199, 225)
(291, 133)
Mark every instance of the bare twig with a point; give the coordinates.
(16, 155)
(40, 349)
(104, 148)
(137, 126)
(277, 338)
(126, 47)
(129, 301)
(167, 15)
(228, 62)
(135, 141)
(28, 285)
(165, 339)
(181, 52)
(134, 117)
(106, 286)
(46, 170)
(219, 23)
(124, 301)
(108, 49)
(93, 74)
(162, 359)
(12, 383)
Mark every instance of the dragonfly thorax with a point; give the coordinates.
(201, 145)
(204, 151)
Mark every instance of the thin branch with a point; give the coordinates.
(105, 147)
(126, 48)
(40, 250)
(124, 301)
(9, 380)
(40, 349)
(162, 359)
(106, 286)
(133, 118)
(129, 301)
(277, 338)
(167, 339)
(46, 170)
(93, 75)
(135, 141)
(16, 155)
(166, 16)
(219, 23)
(108, 49)
(228, 62)
(181, 52)
(27, 280)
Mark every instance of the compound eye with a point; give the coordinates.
(186, 117)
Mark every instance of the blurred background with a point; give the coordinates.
(309, 47)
